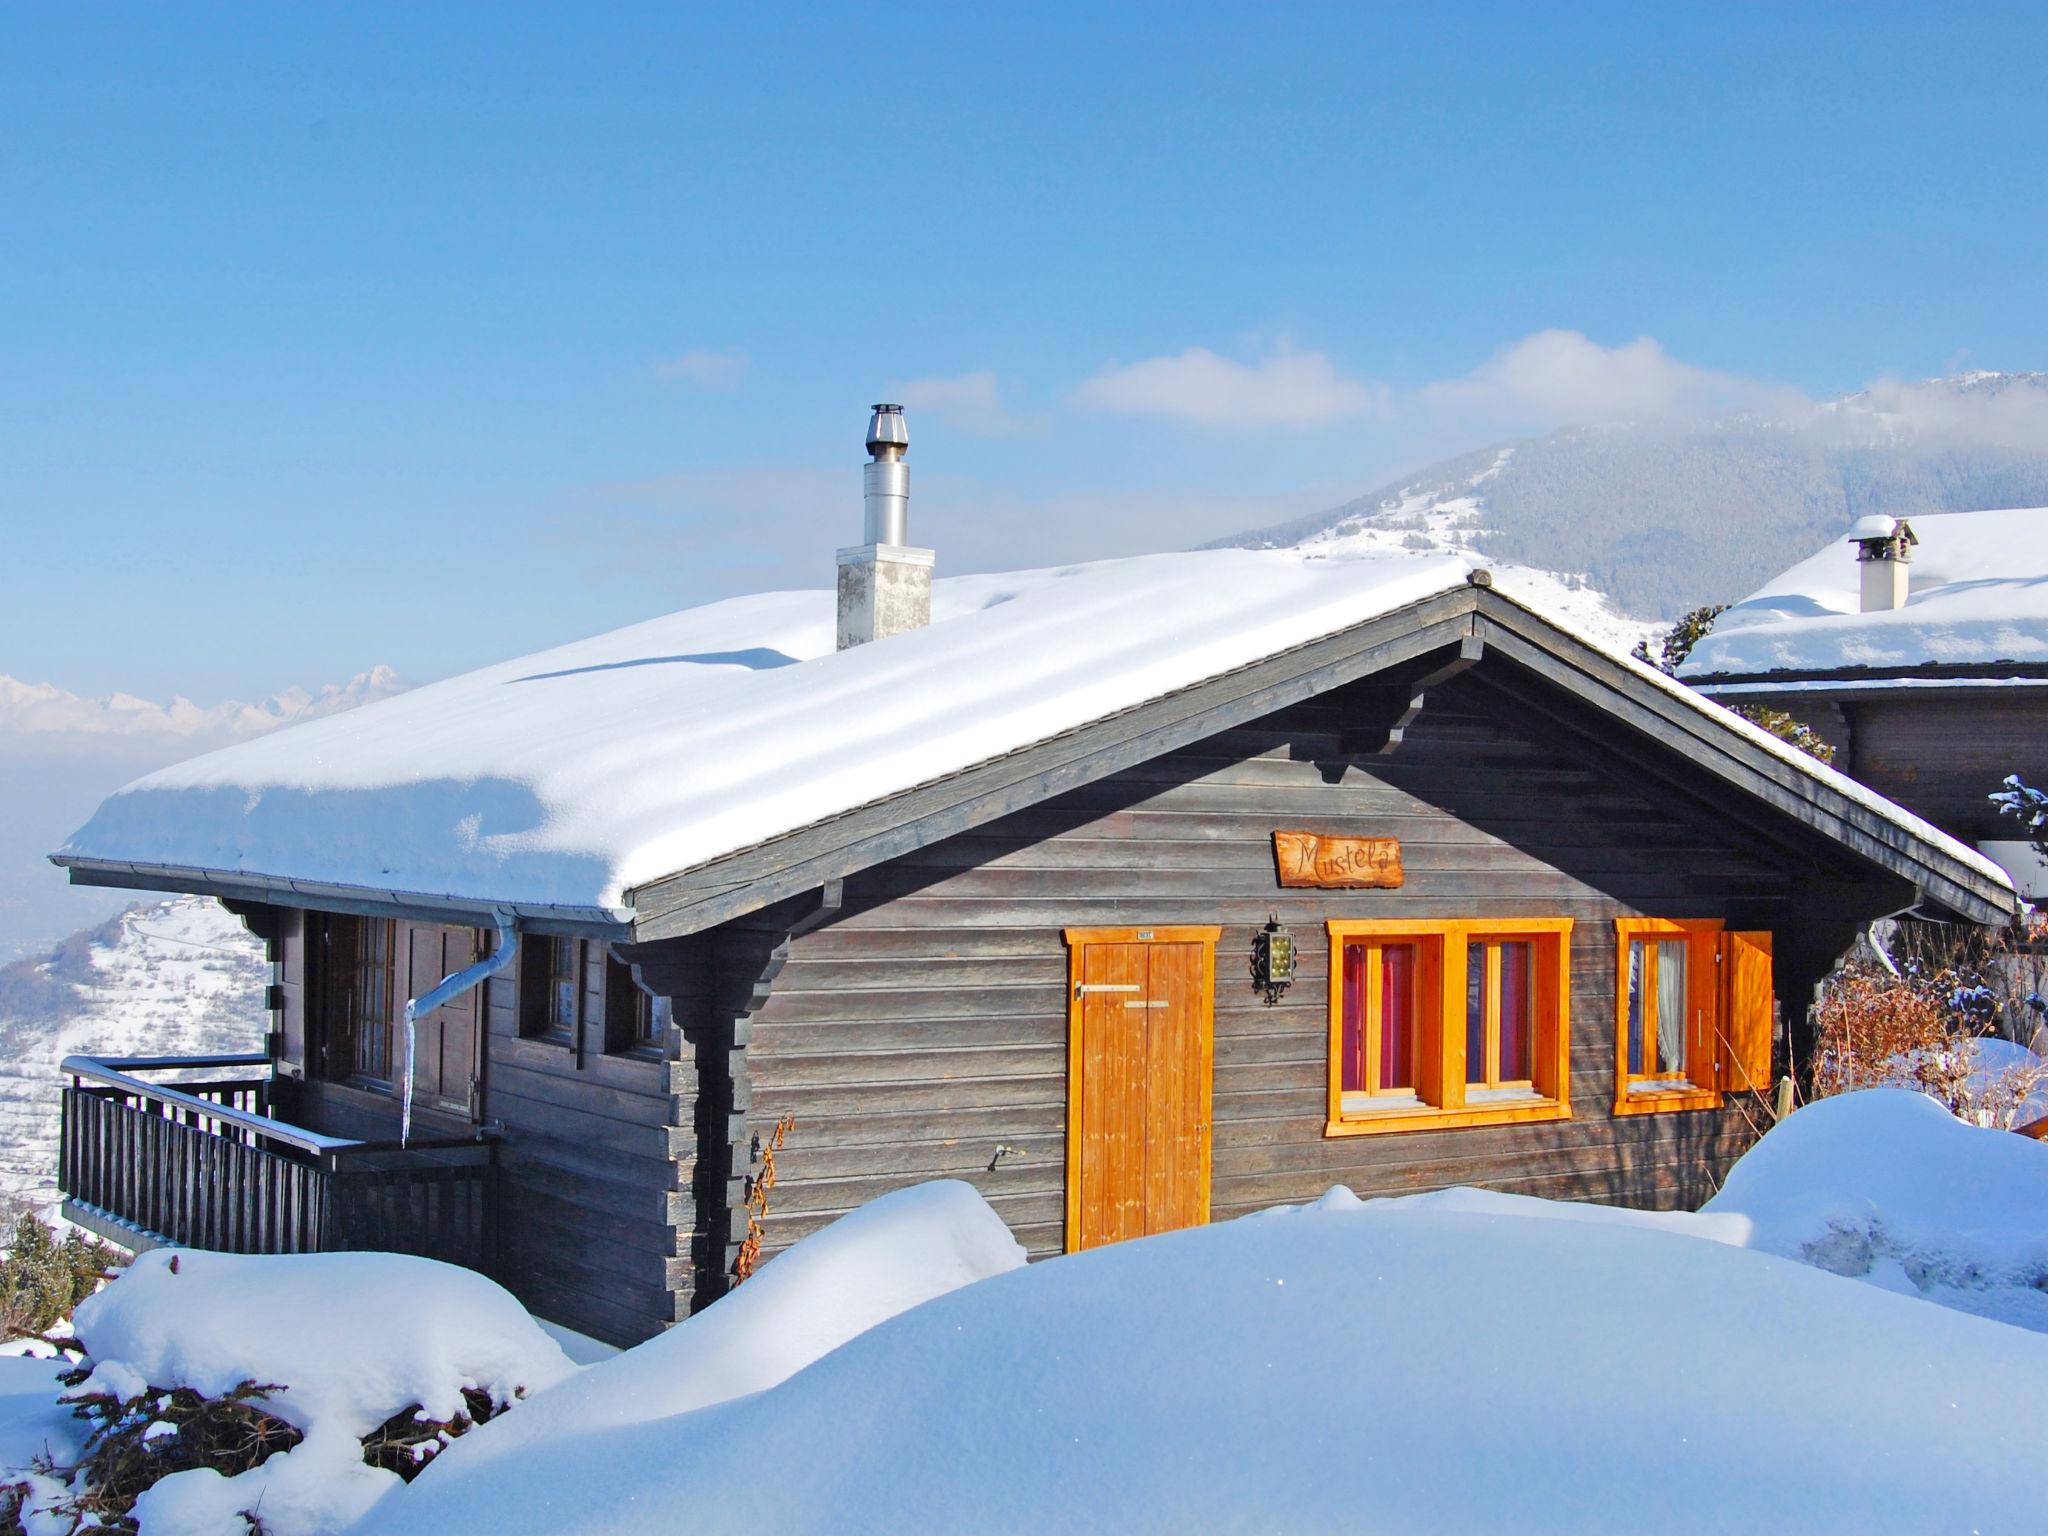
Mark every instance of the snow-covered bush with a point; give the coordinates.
(229, 1393)
(43, 1276)
(2026, 805)
(1677, 645)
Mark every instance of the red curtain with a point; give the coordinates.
(1517, 1010)
(1397, 1016)
(1352, 1075)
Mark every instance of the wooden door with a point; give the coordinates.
(1140, 1032)
(445, 1041)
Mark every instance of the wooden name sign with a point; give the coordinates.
(1337, 863)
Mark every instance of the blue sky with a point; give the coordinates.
(332, 336)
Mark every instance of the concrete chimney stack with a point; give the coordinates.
(1884, 554)
(885, 586)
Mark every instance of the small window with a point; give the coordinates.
(551, 988)
(634, 1021)
(1435, 1025)
(1667, 1015)
(371, 997)
(1500, 1019)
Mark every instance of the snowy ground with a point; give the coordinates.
(168, 978)
(1457, 1361)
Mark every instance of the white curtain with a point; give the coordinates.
(1673, 1018)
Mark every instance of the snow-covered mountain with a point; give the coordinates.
(164, 978)
(1667, 513)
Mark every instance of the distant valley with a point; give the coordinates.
(165, 978)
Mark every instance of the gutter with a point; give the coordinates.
(328, 896)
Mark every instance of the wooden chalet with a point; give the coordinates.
(1298, 873)
(1920, 656)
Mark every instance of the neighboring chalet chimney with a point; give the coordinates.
(885, 586)
(1884, 549)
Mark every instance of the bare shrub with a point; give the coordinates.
(137, 1441)
(1924, 1023)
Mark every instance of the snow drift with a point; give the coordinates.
(1462, 1360)
(883, 1259)
(1417, 1368)
(1887, 1185)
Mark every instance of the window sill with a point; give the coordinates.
(560, 1037)
(1428, 1118)
(1660, 1101)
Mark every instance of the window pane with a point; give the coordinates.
(1397, 1015)
(1475, 1013)
(1351, 1069)
(1672, 1014)
(1636, 962)
(1517, 1009)
(650, 1019)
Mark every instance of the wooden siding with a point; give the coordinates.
(588, 1208)
(1942, 757)
(926, 1026)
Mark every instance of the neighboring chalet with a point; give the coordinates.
(1138, 893)
(1919, 651)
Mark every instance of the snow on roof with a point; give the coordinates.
(1979, 593)
(567, 778)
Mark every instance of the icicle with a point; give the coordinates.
(411, 1037)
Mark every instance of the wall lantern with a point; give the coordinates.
(1272, 960)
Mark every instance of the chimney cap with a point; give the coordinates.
(887, 429)
(1872, 525)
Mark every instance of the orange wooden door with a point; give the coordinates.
(1139, 1107)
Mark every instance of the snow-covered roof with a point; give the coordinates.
(1978, 593)
(566, 779)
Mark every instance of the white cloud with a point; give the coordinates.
(1285, 388)
(1564, 378)
(703, 370)
(41, 718)
(970, 402)
(1998, 410)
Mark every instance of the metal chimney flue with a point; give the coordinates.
(885, 585)
(887, 477)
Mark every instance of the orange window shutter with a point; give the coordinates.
(1747, 1012)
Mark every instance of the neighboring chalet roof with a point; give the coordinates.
(1976, 611)
(695, 767)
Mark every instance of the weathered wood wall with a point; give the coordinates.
(588, 1202)
(1943, 755)
(927, 1025)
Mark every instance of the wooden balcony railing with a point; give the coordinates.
(200, 1163)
